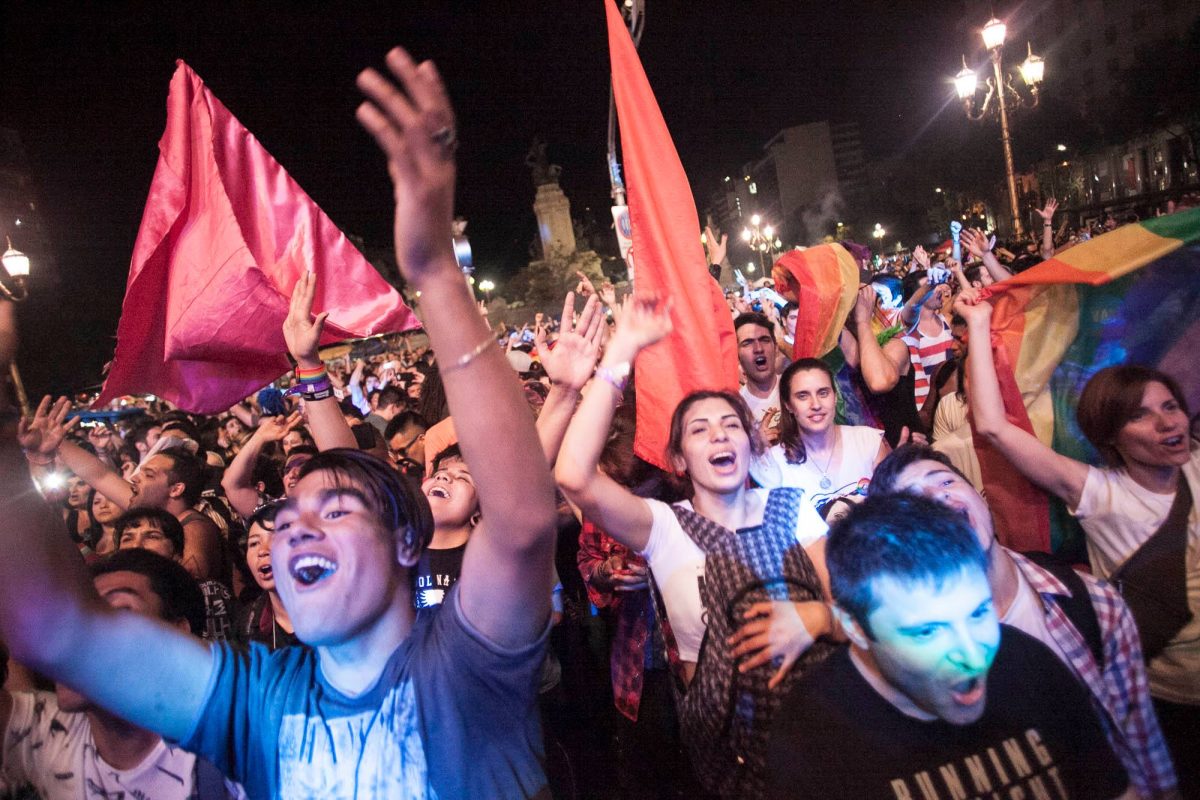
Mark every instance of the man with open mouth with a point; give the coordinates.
(934, 698)
(757, 357)
(384, 702)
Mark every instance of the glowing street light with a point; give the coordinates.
(966, 83)
(12, 287)
(486, 286)
(879, 233)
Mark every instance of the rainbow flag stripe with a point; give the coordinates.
(1129, 296)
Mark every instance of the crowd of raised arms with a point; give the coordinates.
(441, 572)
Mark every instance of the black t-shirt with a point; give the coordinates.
(436, 572)
(836, 737)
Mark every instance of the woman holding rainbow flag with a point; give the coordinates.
(1142, 527)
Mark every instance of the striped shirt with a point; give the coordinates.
(926, 353)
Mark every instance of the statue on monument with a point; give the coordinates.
(543, 172)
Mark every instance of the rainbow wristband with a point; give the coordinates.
(313, 375)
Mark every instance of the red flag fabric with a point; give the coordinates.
(225, 235)
(668, 259)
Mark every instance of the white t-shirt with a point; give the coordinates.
(849, 473)
(759, 405)
(1118, 516)
(1027, 614)
(678, 564)
(53, 751)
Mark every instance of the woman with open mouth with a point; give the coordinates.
(1137, 511)
(828, 461)
(712, 441)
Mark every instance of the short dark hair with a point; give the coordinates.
(397, 501)
(789, 426)
(905, 537)
(788, 308)
(141, 429)
(391, 396)
(402, 422)
(167, 523)
(887, 472)
(448, 453)
(268, 472)
(1109, 400)
(366, 436)
(179, 592)
(186, 469)
(753, 318)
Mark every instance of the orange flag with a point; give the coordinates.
(224, 237)
(668, 259)
(823, 281)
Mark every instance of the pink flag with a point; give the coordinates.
(701, 352)
(224, 237)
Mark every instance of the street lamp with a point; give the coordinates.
(12, 287)
(1000, 87)
(486, 286)
(879, 233)
(761, 239)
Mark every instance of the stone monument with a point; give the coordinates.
(551, 206)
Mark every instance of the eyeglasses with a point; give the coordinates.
(401, 452)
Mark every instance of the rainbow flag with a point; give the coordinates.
(1129, 296)
(823, 281)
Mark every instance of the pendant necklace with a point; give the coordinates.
(825, 481)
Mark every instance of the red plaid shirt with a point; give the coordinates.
(1120, 692)
(634, 617)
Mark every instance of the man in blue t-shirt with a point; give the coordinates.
(386, 703)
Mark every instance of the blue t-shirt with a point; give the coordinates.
(452, 716)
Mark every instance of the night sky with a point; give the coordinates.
(85, 87)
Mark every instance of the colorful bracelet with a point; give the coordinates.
(312, 375)
(616, 377)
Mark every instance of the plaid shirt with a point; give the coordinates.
(634, 618)
(1120, 694)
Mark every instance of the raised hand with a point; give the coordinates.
(273, 429)
(573, 359)
(585, 287)
(44, 432)
(778, 631)
(864, 304)
(416, 131)
(301, 330)
(921, 257)
(976, 241)
(1047, 213)
(608, 294)
(616, 575)
(970, 306)
(644, 321)
(716, 247)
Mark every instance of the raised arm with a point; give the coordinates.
(569, 365)
(53, 621)
(238, 480)
(1055, 473)
(44, 436)
(881, 367)
(507, 572)
(1047, 215)
(980, 246)
(613, 508)
(302, 332)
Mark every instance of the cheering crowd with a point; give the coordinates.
(381, 581)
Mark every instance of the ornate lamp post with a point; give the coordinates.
(879, 233)
(1001, 89)
(762, 240)
(13, 287)
(486, 286)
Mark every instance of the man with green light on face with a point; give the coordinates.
(934, 698)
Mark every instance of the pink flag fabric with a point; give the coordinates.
(225, 235)
(668, 258)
